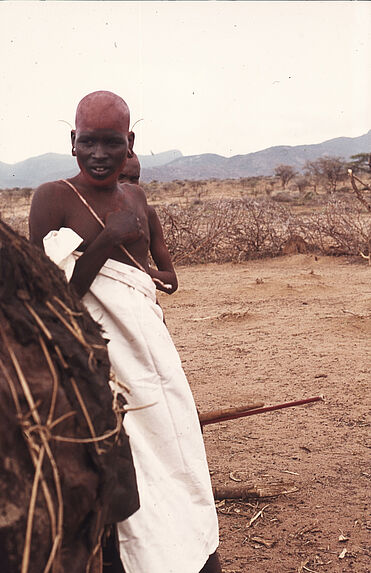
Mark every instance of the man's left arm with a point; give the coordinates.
(165, 270)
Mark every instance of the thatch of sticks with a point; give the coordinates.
(65, 463)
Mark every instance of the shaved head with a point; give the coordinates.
(103, 110)
(131, 171)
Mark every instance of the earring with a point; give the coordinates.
(74, 151)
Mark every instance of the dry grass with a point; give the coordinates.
(14, 208)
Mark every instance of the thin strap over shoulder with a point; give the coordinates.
(97, 218)
(83, 200)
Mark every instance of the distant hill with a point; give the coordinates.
(158, 159)
(51, 166)
(207, 166)
(171, 165)
(31, 172)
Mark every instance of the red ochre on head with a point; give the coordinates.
(131, 170)
(103, 110)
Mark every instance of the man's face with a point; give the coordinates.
(100, 153)
(101, 139)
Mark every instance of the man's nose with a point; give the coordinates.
(99, 150)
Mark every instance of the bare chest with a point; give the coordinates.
(85, 215)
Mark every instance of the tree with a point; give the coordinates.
(326, 169)
(285, 173)
(360, 162)
(301, 183)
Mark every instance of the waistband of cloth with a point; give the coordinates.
(128, 275)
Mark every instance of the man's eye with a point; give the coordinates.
(86, 142)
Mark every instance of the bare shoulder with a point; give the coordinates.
(47, 210)
(49, 191)
(136, 194)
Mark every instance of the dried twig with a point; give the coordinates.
(256, 516)
(253, 491)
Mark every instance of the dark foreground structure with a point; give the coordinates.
(66, 469)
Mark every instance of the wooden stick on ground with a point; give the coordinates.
(224, 415)
(252, 491)
(219, 415)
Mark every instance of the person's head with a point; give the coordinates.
(101, 140)
(131, 171)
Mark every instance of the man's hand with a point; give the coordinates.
(123, 227)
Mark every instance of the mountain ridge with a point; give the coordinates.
(170, 165)
(257, 163)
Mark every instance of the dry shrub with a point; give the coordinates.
(195, 233)
(225, 230)
(203, 228)
(241, 229)
(341, 227)
(259, 229)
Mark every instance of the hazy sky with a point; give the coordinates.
(218, 77)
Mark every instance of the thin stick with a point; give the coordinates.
(39, 322)
(76, 333)
(61, 419)
(100, 438)
(262, 410)
(214, 415)
(54, 374)
(260, 513)
(8, 378)
(31, 512)
(85, 412)
(45, 488)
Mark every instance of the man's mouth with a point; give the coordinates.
(99, 170)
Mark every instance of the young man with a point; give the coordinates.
(131, 170)
(175, 530)
(157, 246)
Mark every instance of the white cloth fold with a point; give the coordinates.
(59, 245)
(175, 529)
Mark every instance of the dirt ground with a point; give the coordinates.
(281, 330)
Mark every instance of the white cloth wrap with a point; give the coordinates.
(175, 529)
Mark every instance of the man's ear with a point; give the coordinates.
(73, 139)
(131, 139)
